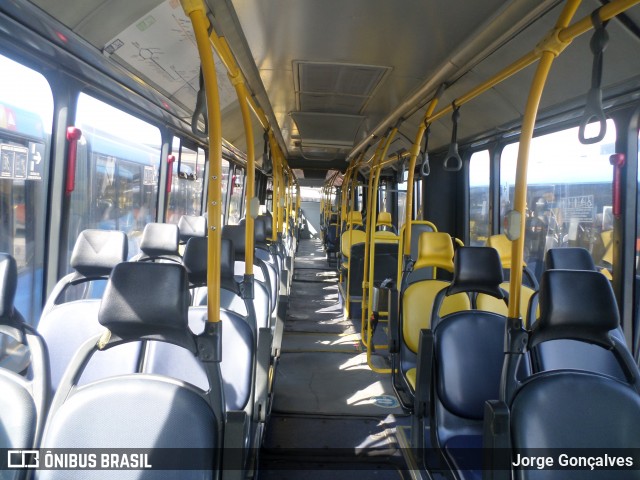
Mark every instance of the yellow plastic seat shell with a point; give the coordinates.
(349, 238)
(384, 220)
(435, 249)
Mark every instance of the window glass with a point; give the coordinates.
(236, 196)
(568, 195)
(26, 117)
(479, 176)
(185, 197)
(117, 172)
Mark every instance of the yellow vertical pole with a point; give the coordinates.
(274, 193)
(241, 91)
(195, 10)
(550, 51)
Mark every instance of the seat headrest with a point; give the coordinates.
(195, 260)
(96, 252)
(503, 245)
(160, 239)
(236, 233)
(477, 269)
(577, 305)
(147, 301)
(8, 284)
(268, 224)
(569, 258)
(384, 220)
(435, 249)
(259, 233)
(192, 226)
(354, 218)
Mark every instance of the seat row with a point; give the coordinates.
(113, 356)
(535, 378)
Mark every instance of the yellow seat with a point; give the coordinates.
(435, 249)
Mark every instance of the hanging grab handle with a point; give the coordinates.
(453, 154)
(425, 168)
(593, 110)
(200, 110)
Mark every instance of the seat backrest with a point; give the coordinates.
(548, 409)
(66, 326)
(237, 358)
(159, 242)
(142, 301)
(348, 239)
(468, 347)
(529, 285)
(192, 226)
(23, 395)
(435, 251)
(565, 353)
(385, 222)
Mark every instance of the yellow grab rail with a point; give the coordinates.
(195, 10)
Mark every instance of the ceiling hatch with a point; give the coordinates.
(330, 100)
(336, 87)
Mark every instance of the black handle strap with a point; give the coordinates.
(453, 154)
(425, 168)
(200, 110)
(593, 110)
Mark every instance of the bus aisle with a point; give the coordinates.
(332, 416)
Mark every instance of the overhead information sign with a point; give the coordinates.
(161, 47)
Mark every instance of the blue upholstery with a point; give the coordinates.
(468, 357)
(584, 410)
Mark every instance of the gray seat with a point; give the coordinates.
(65, 325)
(561, 409)
(142, 302)
(23, 395)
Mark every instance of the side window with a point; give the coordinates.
(568, 195)
(185, 197)
(236, 196)
(26, 118)
(117, 172)
(479, 176)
